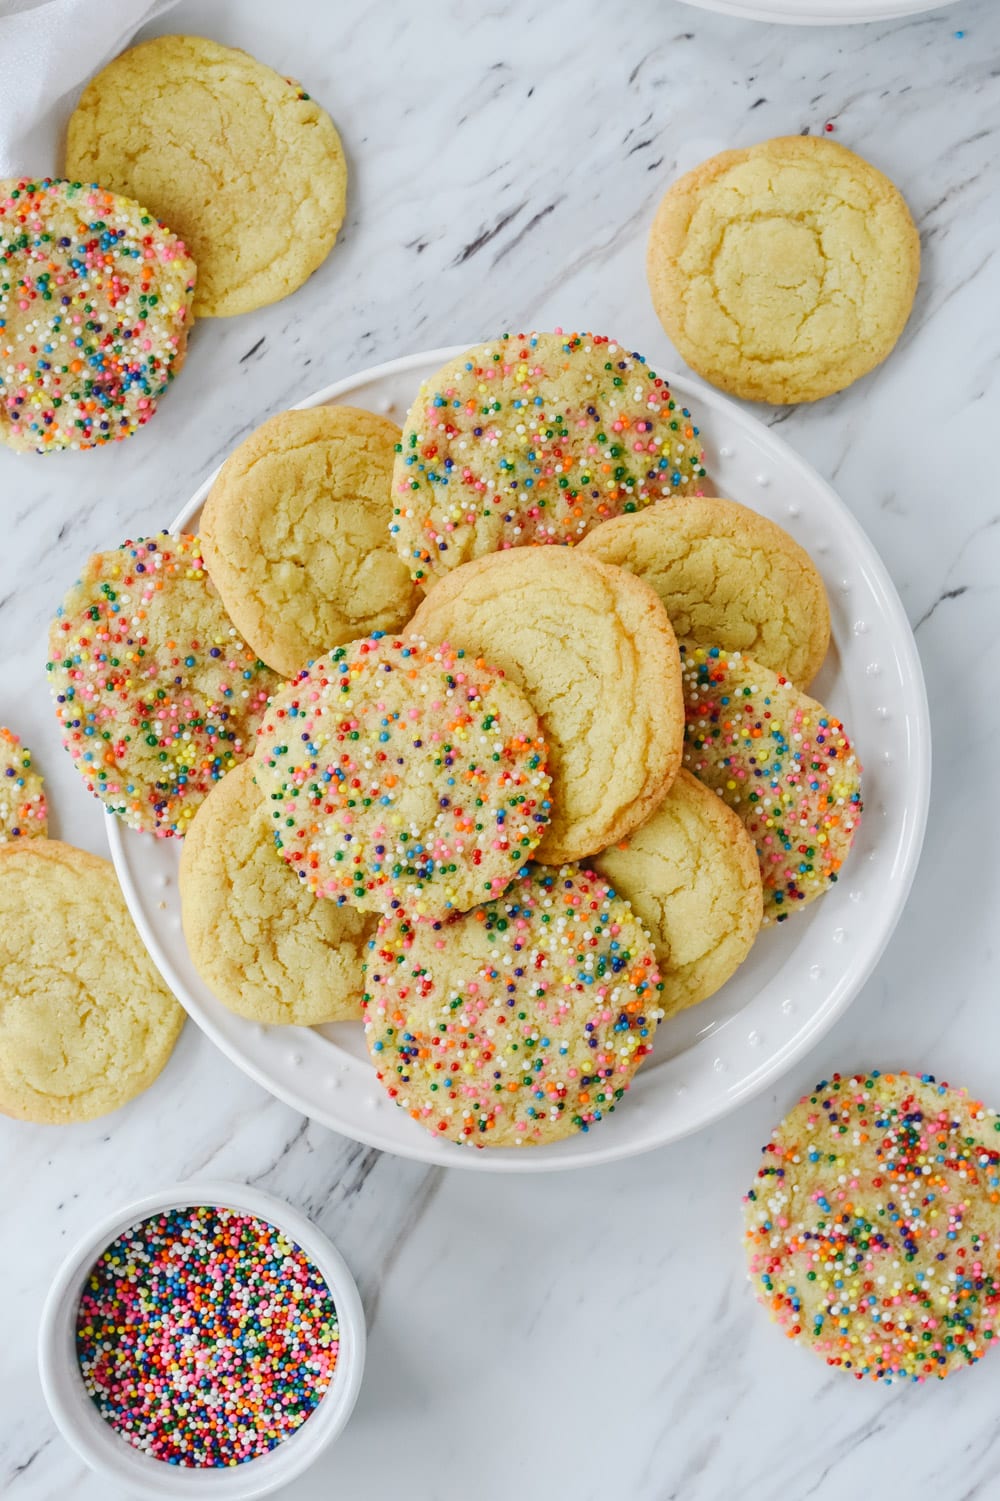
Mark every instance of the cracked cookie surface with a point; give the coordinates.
(86, 1022)
(295, 532)
(784, 271)
(594, 651)
(727, 577)
(691, 875)
(534, 438)
(239, 161)
(263, 944)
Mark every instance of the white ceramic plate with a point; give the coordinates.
(821, 12)
(800, 976)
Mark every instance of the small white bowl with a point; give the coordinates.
(96, 1441)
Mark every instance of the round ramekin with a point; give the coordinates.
(97, 1443)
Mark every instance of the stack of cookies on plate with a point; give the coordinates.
(512, 803)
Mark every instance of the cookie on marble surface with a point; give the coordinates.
(518, 1023)
(691, 876)
(295, 533)
(256, 934)
(784, 271)
(727, 577)
(238, 160)
(157, 694)
(534, 438)
(23, 808)
(593, 649)
(86, 1023)
(95, 309)
(398, 772)
(783, 762)
(872, 1230)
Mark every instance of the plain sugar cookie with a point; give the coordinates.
(296, 535)
(403, 773)
(594, 651)
(95, 310)
(23, 808)
(691, 875)
(238, 160)
(783, 762)
(534, 438)
(256, 934)
(86, 1023)
(727, 577)
(784, 271)
(156, 692)
(872, 1229)
(520, 1022)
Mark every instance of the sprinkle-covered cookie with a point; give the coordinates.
(23, 809)
(239, 160)
(86, 1023)
(520, 1022)
(871, 1227)
(95, 308)
(535, 438)
(256, 934)
(400, 772)
(157, 693)
(782, 761)
(691, 874)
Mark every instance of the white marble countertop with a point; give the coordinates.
(589, 1334)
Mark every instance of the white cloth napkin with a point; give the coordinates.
(48, 51)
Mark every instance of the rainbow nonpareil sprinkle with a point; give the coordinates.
(157, 693)
(782, 761)
(205, 1337)
(535, 438)
(401, 772)
(873, 1225)
(23, 805)
(95, 308)
(517, 1023)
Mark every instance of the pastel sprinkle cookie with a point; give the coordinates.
(23, 808)
(157, 693)
(871, 1227)
(782, 761)
(518, 1023)
(692, 876)
(400, 772)
(206, 1337)
(86, 1023)
(260, 940)
(783, 271)
(727, 577)
(534, 438)
(241, 161)
(595, 653)
(95, 309)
